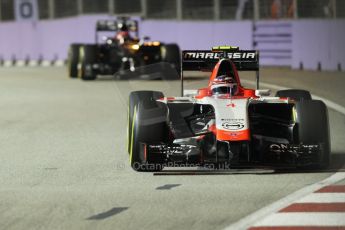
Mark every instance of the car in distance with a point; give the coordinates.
(121, 51)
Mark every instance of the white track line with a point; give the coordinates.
(303, 219)
(249, 221)
(253, 218)
(323, 198)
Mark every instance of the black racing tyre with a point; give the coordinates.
(72, 60)
(134, 99)
(149, 126)
(296, 94)
(171, 54)
(87, 57)
(313, 128)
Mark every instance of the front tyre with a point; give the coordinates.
(171, 53)
(313, 128)
(72, 60)
(149, 126)
(87, 57)
(295, 94)
(134, 99)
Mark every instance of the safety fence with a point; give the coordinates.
(185, 9)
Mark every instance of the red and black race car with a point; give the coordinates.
(226, 124)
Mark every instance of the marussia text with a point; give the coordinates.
(217, 55)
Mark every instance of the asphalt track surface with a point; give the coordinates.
(63, 160)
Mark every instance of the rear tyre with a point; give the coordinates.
(149, 126)
(296, 94)
(134, 99)
(313, 128)
(87, 57)
(72, 60)
(171, 54)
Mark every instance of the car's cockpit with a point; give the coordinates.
(225, 82)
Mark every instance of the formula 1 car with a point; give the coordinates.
(116, 53)
(225, 124)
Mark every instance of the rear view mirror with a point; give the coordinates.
(262, 92)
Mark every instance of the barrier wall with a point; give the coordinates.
(201, 35)
(50, 39)
(274, 40)
(318, 44)
(315, 44)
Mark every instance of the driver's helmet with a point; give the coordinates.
(123, 35)
(122, 26)
(224, 85)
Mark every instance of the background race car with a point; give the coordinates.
(122, 51)
(224, 124)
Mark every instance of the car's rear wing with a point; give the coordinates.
(114, 25)
(205, 60)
